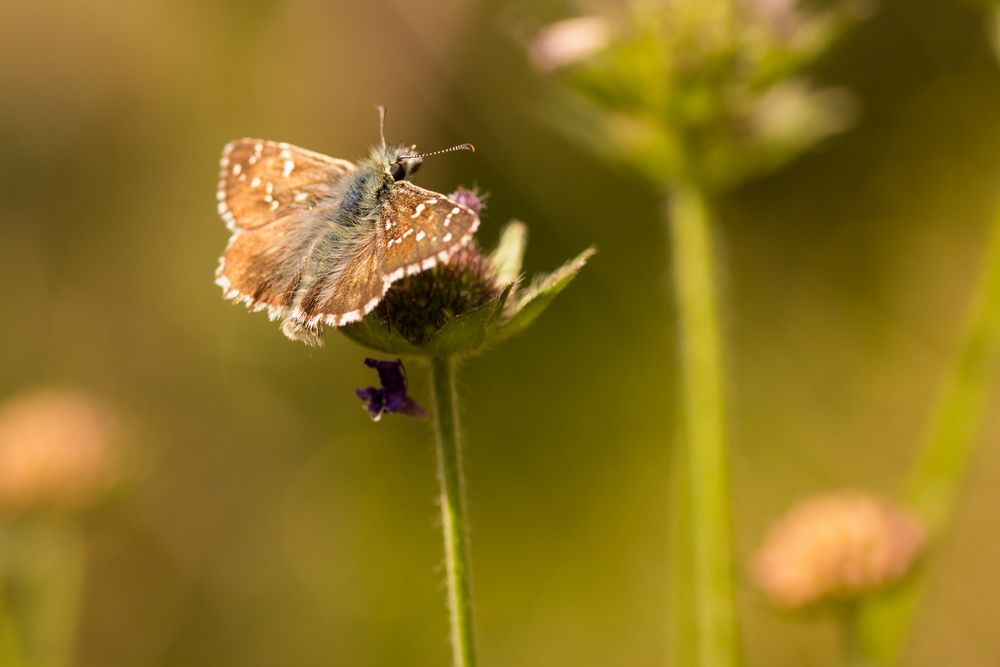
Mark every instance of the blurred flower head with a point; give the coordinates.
(55, 451)
(836, 547)
(687, 88)
(569, 41)
(466, 305)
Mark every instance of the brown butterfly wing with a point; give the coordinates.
(413, 230)
(263, 181)
(422, 228)
(263, 267)
(267, 195)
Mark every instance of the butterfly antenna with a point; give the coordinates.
(381, 124)
(460, 147)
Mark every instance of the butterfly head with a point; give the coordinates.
(399, 162)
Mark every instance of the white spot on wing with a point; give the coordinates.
(417, 211)
(420, 235)
(289, 166)
(255, 183)
(237, 168)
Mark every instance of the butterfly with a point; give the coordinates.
(318, 241)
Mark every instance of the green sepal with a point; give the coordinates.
(508, 257)
(469, 331)
(533, 301)
(373, 333)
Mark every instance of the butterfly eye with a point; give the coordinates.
(398, 171)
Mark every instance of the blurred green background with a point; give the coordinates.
(265, 520)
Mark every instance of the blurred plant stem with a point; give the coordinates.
(853, 648)
(456, 552)
(10, 649)
(43, 567)
(683, 624)
(58, 621)
(950, 442)
(712, 611)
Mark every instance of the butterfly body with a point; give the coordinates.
(318, 241)
(362, 191)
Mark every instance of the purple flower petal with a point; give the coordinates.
(391, 396)
(467, 197)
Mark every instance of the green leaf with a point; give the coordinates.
(533, 301)
(373, 333)
(469, 331)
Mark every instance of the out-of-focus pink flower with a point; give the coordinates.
(837, 546)
(569, 41)
(55, 451)
(781, 15)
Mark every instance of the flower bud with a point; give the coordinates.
(466, 305)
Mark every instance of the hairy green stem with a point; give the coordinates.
(710, 561)
(953, 433)
(456, 552)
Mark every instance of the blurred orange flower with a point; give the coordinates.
(55, 451)
(837, 546)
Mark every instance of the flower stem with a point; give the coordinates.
(10, 649)
(852, 647)
(950, 441)
(710, 561)
(456, 556)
